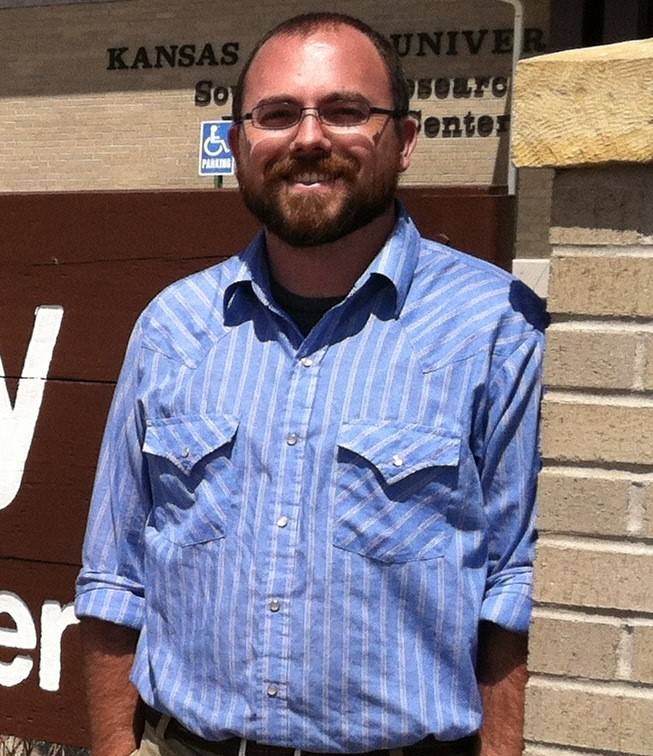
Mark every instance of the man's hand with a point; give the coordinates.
(113, 703)
(502, 676)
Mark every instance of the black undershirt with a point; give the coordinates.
(305, 311)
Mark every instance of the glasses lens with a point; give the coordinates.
(276, 115)
(344, 113)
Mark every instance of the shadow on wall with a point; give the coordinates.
(612, 201)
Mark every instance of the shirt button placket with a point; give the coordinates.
(301, 392)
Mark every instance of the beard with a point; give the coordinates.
(308, 221)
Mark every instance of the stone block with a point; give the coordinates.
(603, 576)
(574, 647)
(593, 430)
(585, 107)
(604, 206)
(581, 358)
(610, 718)
(582, 502)
(590, 284)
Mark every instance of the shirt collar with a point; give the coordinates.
(397, 259)
(396, 262)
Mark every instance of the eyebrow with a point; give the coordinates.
(333, 96)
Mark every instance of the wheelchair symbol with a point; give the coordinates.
(214, 144)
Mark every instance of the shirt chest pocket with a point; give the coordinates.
(192, 477)
(395, 488)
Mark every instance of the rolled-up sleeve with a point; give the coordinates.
(110, 584)
(508, 478)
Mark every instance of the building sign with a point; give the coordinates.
(215, 154)
(125, 86)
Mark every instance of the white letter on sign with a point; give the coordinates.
(17, 423)
(22, 636)
(54, 620)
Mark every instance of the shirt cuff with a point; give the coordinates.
(121, 603)
(508, 602)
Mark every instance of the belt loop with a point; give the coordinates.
(297, 752)
(242, 747)
(162, 726)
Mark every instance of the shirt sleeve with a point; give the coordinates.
(508, 477)
(110, 584)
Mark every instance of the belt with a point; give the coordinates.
(234, 746)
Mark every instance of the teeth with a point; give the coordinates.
(311, 178)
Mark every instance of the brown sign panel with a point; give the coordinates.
(44, 651)
(78, 269)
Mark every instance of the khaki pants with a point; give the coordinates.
(154, 743)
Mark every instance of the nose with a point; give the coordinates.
(310, 135)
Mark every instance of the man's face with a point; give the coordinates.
(311, 184)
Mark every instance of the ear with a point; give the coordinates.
(408, 137)
(234, 140)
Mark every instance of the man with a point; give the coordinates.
(312, 521)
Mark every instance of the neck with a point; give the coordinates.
(328, 270)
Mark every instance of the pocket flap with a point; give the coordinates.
(397, 450)
(184, 440)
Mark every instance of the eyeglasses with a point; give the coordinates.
(336, 114)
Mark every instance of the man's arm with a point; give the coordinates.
(501, 672)
(113, 703)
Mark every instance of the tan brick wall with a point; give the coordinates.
(71, 124)
(591, 645)
(612, 717)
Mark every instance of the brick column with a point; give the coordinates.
(588, 114)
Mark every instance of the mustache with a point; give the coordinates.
(334, 166)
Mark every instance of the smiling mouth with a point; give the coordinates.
(312, 178)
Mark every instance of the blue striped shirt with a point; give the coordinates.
(307, 531)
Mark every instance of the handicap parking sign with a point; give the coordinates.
(215, 156)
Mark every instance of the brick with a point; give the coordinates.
(569, 111)
(539, 750)
(590, 359)
(598, 431)
(580, 502)
(574, 647)
(604, 206)
(647, 362)
(642, 659)
(585, 284)
(601, 576)
(647, 510)
(533, 213)
(617, 719)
